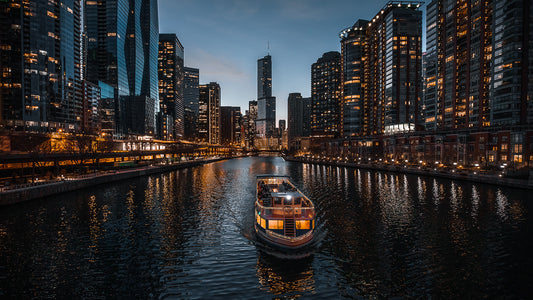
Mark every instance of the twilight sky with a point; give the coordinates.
(224, 39)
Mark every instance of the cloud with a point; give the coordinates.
(214, 66)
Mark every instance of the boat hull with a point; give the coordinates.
(283, 242)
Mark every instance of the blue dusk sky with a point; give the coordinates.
(224, 39)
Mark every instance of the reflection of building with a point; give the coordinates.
(91, 111)
(326, 94)
(209, 113)
(352, 109)
(107, 109)
(40, 61)
(190, 96)
(230, 119)
(266, 104)
(122, 52)
(171, 84)
(393, 69)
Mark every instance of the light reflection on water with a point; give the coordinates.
(188, 234)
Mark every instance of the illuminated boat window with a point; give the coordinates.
(275, 224)
(303, 224)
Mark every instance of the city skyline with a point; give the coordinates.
(296, 33)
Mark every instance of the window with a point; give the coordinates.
(275, 224)
(260, 221)
(303, 224)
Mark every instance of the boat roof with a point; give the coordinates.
(272, 176)
(285, 194)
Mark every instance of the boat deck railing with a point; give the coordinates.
(286, 212)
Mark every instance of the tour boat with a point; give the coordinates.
(284, 216)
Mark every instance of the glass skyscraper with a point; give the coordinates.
(171, 81)
(352, 108)
(266, 104)
(122, 49)
(40, 60)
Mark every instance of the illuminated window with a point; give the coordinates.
(303, 224)
(275, 224)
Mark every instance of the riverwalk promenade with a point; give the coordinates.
(496, 178)
(37, 190)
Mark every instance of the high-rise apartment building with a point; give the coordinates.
(511, 97)
(462, 34)
(326, 95)
(41, 86)
(266, 104)
(122, 50)
(393, 82)
(171, 82)
(209, 113)
(190, 96)
(430, 68)
(352, 107)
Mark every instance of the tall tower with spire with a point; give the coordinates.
(266, 104)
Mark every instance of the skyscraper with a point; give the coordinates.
(430, 69)
(266, 104)
(190, 97)
(230, 119)
(190, 88)
(40, 60)
(122, 49)
(463, 36)
(171, 81)
(352, 108)
(512, 63)
(209, 113)
(298, 116)
(392, 69)
(326, 95)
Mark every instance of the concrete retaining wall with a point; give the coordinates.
(45, 190)
(480, 178)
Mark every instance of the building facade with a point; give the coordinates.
(209, 113)
(191, 94)
(41, 86)
(393, 69)
(122, 51)
(171, 83)
(230, 129)
(463, 38)
(299, 121)
(326, 94)
(512, 67)
(352, 106)
(266, 103)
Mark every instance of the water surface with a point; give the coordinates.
(187, 235)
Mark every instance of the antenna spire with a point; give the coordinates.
(268, 47)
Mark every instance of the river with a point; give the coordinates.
(187, 235)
